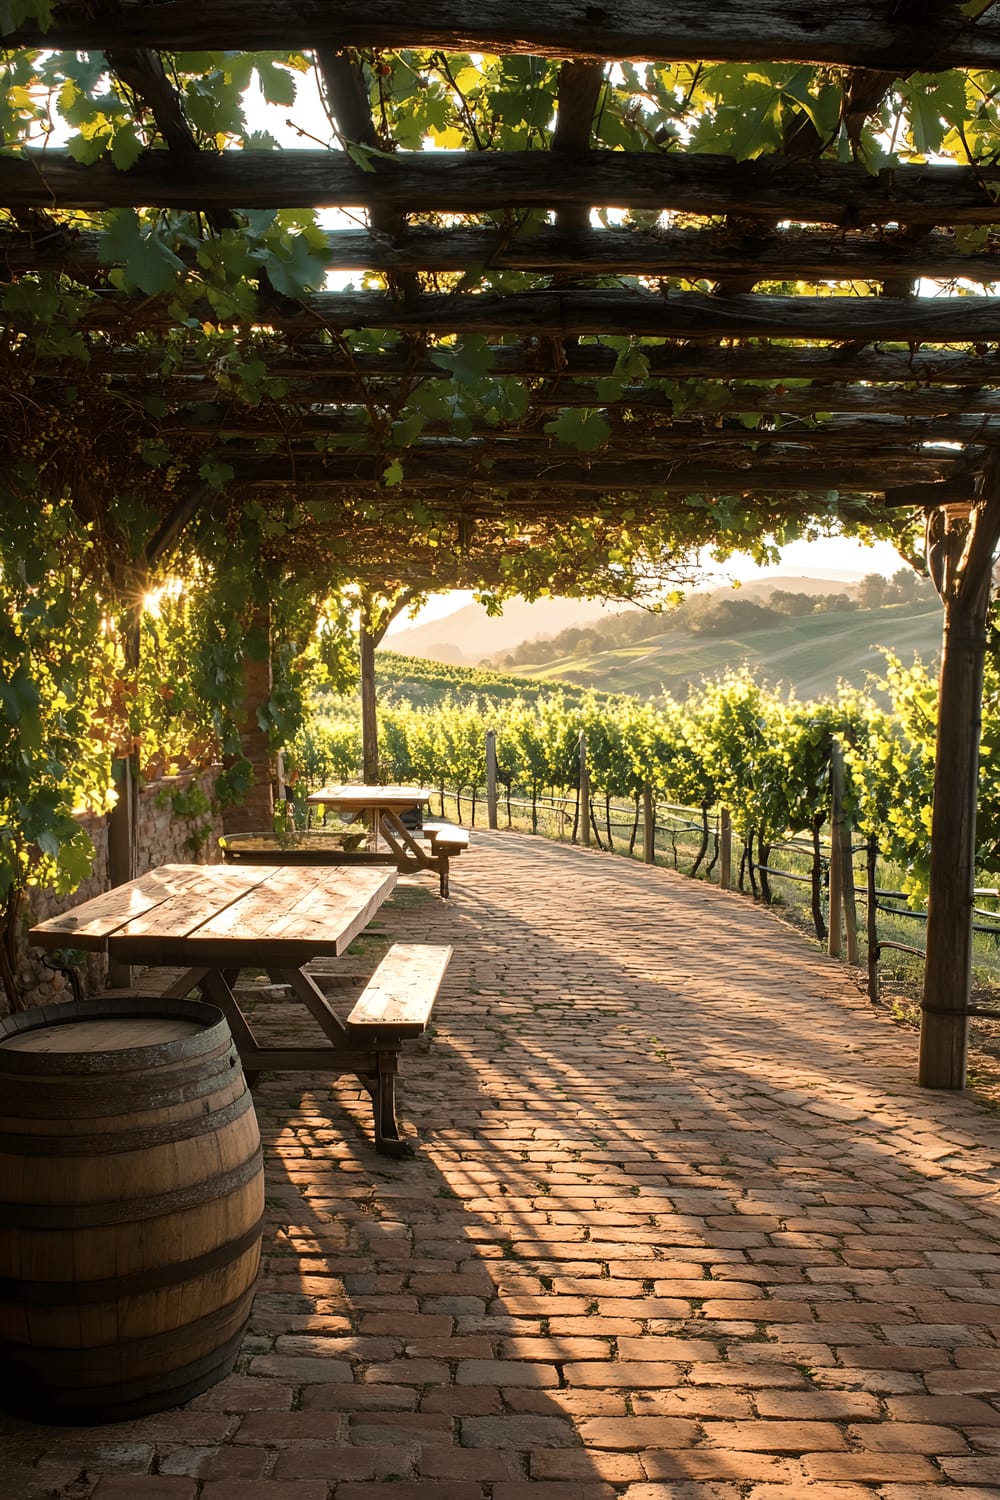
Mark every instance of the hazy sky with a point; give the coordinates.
(833, 557)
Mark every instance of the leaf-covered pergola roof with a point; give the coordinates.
(624, 275)
(530, 297)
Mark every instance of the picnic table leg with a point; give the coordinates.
(382, 1087)
(216, 986)
(409, 855)
(443, 869)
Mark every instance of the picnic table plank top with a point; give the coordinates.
(88, 925)
(211, 913)
(397, 797)
(323, 915)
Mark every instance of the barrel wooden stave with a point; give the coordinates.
(129, 1235)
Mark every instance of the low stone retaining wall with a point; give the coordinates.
(179, 823)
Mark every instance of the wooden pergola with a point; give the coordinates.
(792, 335)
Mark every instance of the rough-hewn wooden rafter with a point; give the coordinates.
(694, 254)
(556, 314)
(856, 33)
(429, 468)
(465, 182)
(321, 371)
(881, 230)
(964, 405)
(861, 433)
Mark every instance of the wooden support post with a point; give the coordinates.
(491, 778)
(256, 813)
(648, 826)
(725, 849)
(123, 819)
(962, 541)
(369, 714)
(584, 792)
(376, 614)
(833, 937)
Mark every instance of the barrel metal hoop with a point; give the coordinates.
(114, 1143)
(214, 1028)
(77, 1403)
(70, 1293)
(87, 1096)
(64, 1216)
(65, 1384)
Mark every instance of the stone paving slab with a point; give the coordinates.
(680, 1225)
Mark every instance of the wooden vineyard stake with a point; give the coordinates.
(584, 792)
(833, 937)
(648, 826)
(725, 849)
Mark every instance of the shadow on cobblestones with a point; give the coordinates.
(680, 1225)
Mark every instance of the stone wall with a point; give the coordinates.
(178, 824)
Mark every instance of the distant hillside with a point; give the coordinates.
(791, 583)
(810, 652)
(424, 682)
(468, 635)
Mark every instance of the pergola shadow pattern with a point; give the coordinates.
(681, 1225)
(614, 305)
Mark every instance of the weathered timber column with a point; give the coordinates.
(648, 826)
(376, 614)
(123, 819)
(369, 714)
(961, 544)
(256, 813)
(491, 778)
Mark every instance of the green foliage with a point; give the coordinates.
(95, 467)
(60, 711)
(734, 742)
(580, 427)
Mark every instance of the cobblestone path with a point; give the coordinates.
(680, 1225)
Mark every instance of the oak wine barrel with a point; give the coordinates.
(131, 1205)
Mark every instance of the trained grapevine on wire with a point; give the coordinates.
(734, 742)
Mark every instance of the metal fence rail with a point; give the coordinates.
(616, 825)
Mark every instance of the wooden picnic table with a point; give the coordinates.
(428, 846)
(215, 920)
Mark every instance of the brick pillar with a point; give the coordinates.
(257, 811)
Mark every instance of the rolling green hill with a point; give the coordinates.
(810, 652)
(424, 683)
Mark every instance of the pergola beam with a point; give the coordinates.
(963, 410)
(454, 465)
(868, 432)
(467, 182)
(582, 313)
(321, 371)
(811, 255)
(852, 34)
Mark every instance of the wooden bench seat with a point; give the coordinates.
(400, 995)
(445, 835)
(395, 1004)
(447, 841)
(437, 842)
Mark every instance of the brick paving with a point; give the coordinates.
(680, 1225)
